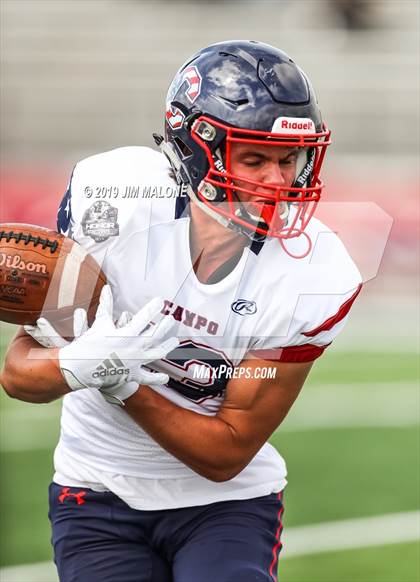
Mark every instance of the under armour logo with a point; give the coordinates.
(65, 492)
(244, 307)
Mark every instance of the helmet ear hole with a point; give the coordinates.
(184, 150)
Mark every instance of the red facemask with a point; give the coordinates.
(287, 210)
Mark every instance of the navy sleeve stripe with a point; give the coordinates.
(64, 211)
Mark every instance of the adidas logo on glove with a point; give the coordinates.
(110, 367)
(110, 356)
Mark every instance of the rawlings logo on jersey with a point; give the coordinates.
(244, 307)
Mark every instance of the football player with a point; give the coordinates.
(218, 273)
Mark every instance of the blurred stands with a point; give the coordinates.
(82, 77)
(354, 14)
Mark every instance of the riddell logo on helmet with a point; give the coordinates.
(293, 125)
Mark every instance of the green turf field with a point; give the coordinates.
(396, 563)
(351, 444)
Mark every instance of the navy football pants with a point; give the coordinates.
(99, 538)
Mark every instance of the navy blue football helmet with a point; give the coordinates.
(245, 92)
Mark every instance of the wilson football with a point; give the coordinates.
(43, 273)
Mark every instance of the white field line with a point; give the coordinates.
(34, 426)
(332, 536)
(355, 405)
(393, 528)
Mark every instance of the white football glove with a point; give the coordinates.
(48, 337)
(110, 359)
(45, 334)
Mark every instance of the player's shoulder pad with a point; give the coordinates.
(327, 267)
(128, 159)
(315, 293)
(111, 193)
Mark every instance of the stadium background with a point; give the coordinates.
(82, 77)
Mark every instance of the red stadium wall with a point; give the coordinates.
(33, 195)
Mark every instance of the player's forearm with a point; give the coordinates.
(32, 373)
(188, 435)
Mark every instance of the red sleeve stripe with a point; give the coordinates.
(331, 321)
(292, 354)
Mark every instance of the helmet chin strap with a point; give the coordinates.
(227, 223)
(241, 211)
(176, 165)
(169, 153)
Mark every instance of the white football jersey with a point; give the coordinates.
(125, 209)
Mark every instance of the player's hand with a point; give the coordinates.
(48, 337)
(45, 334)
(110, 359)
